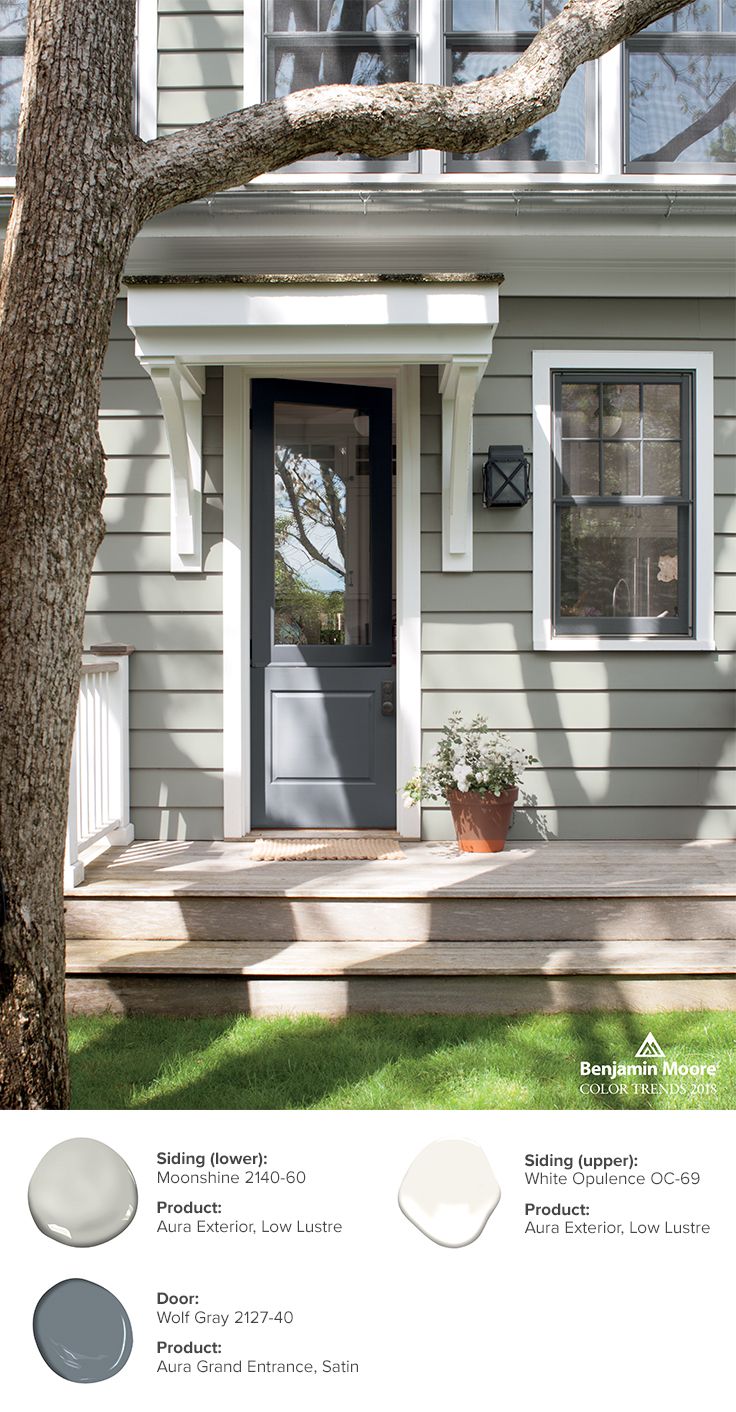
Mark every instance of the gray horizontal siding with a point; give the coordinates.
(635, 746)
(629, 746)
(200, 61)
(174, 622)
(601, 823)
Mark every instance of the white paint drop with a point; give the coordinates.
(449, 1192)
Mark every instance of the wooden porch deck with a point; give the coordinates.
(197, 928)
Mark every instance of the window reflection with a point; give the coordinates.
(13, 15)
(681, 90)
(322, 560)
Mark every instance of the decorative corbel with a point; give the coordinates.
(180, 389)
(459, 382)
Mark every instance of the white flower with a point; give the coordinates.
(408, 801)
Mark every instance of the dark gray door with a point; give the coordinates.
(322, 655)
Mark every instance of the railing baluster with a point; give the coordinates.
(98, 780)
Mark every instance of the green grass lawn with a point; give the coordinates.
(381, 1061)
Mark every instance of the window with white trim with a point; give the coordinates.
(485, 36)
(13, 21)
(623, 479)
(665, 102)
(313, 42)
(623, 508)
(680, 86)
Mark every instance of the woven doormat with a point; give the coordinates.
(327, 850)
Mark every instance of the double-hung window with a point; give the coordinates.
(680, 85)
(485, 36)
(623, 512)
(362, 42)
(13, 14)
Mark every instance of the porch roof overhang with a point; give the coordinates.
(266, 322)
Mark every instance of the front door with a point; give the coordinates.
(322, 654)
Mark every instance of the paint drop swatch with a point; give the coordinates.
(82, 1331)
(449, 1192)
(82, 1193)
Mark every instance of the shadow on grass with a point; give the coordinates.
(375, 1061)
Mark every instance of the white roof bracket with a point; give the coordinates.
(459, 382)
(180, 388)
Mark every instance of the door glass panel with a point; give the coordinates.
(322, 550)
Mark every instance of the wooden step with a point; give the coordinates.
(355, 959)
(444, 919)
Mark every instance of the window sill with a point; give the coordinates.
(629, 644)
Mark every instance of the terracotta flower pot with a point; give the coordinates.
(481, 820)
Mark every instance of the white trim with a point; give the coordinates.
(459, 381)
(408, 594)
(369, 325)
(147, 69)
(544, 363)
(610, 132)
(236, 604)
(180, 389)
(253, 31)
(236, 579)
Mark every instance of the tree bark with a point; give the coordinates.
(85, 184)
(70, 229)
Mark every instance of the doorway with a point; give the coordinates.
(323, 656)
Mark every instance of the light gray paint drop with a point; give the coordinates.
(82, 1193)
(82, 1331)
(449, 1192)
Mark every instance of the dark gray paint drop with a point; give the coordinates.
(82, 1331)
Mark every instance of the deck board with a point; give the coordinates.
(430, 870)
(420, 958)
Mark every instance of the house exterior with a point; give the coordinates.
(307, 378)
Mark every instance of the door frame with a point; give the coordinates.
(236, 568)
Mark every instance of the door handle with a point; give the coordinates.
(388, 698)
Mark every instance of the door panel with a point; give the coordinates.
(323, 727)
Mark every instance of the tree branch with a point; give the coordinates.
(387, 119)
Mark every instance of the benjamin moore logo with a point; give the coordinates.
(649, 1049)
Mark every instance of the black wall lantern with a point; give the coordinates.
(506, 478)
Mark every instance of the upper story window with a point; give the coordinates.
(485, 36)
(362, 42)
(12, 46)
(680, 85)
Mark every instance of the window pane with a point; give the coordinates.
(558, 138)
(580, 468)
(729, 15)
(519, 16)
(621, 468)
(339, 16)
(662, 468)
(620, 409)
(472, 16)
(618, 562)
(315, 64)
(13, 18)
(580, 408)
(702, 17)
(662, 409)
(11, 73)
(321, 526)
(682, 106)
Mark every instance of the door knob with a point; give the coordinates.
(388, 698)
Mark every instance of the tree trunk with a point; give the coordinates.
(69, 233)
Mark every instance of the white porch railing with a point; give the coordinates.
(99, 788)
